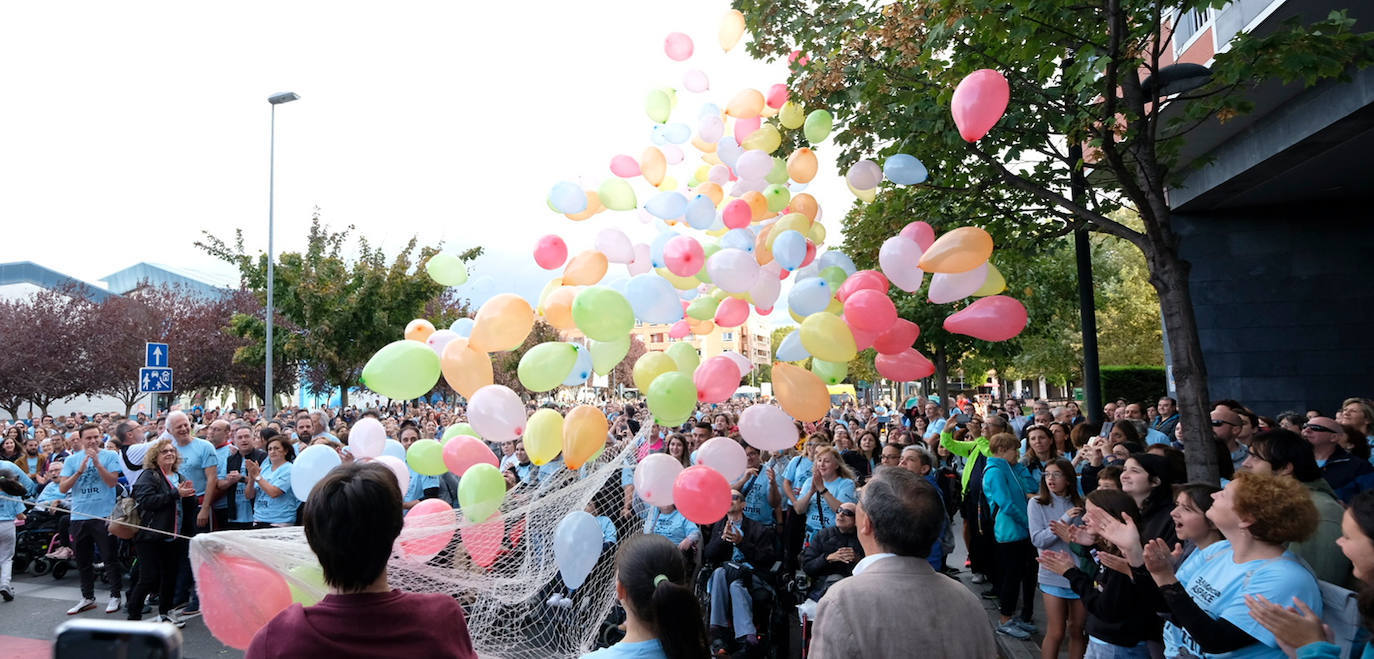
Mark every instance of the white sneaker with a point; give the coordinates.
(171, 620)
(112, 606)
(86, 604)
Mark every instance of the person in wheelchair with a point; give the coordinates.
(741, 547)
(832, 552)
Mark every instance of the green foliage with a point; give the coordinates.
(1134, 384)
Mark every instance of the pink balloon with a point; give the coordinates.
(428, 529)
(993, 318)
(240, 595)
(864, 175)
(696, 81)
(483, 541)
(904, 366)
(624, 166)
(745, 366)
(701, 494)
(684, 256)
(550, 252)
(922, 233)
(654, 478)
(898, 338)
(716, 379)
(367, 438)
(898, 258)
(810, 253)
(863, 339)
(732, 312)
(672, 153)
(642, 262)
(870, 309)
(720, 175)
(463, 451)
(767, 428)
(725, 455)
(978, 102)
(863, 279)
(776, 96)
(680, 330)
(398, 467)
(678, 46)
(745, 127)
(737, 214)
(798, 57)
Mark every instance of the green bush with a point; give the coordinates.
(1136, 384)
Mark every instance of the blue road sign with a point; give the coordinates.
(157, 354)
(155, 380)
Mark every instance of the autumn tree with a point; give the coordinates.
(623, 373)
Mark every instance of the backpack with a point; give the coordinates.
(125, 513)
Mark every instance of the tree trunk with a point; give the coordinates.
(942, 376)
(1169, 276)
(343, 395)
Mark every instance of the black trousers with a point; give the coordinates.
(87, 534)
(1015, 573)
(158, 561)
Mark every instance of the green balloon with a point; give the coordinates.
(817, 126)
(777, 197)
(546, 365)
(703, 308)
(685, 356)
(658, 106)
(402, 370)
(606, 354)
(447, 269)
(672, 396)
(829, 372)
(617, 195)
(311, 588)
(835, 276)
(456, 430)
(602, 313)
(426, 456)
(777, 175)
(708, 249)
(481, 491)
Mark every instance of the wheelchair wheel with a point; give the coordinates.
(21, 563)
(59, 570)
(40, 566)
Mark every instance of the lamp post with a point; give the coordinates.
(284, 97)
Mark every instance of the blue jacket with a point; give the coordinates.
(1006, 487)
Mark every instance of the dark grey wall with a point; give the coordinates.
(1285, 302)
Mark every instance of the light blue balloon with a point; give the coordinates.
(709, 110)
(729, 151)
(311, 465)
(677, 133)
(701, 212)
(656, 248)
(689, 294)
(836, 258)
(576, 547)
(789, 249)
(582, 369)
(653, 299)
(809, 296)
(790, 349)
(393, 449)
(738, 239)
(667, 205)
(463, 326)
(619, 285)
(657, 136)
(568, 197)
(905, 169)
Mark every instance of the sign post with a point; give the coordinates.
(155, 377)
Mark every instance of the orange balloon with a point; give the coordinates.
(758, 205)
(802, 165)
(805, 204)
(465, 369)
(585, 269)
(593, 207)
(745, 105)
(763, 250)
(700, 327)
(419, 330)
(653, 165)
(712, 191)
(558, 307)
(802, 393)
(960, 250)
(584, 433)
(702, 145)
(502, 323)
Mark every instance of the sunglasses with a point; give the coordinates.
(1317, 428)
(844, 512)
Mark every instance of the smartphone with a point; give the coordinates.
(134, 639)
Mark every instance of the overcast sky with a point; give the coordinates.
(130, 128)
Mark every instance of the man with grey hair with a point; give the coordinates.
(199, 465)
(897, 519)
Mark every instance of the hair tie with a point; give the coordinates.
(659, 579)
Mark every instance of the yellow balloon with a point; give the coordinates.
(789, 222)
(649, 366)
(669, 183)
(585, 269)
(584, 435)
(652, 165)
(745, 105)
(711, 158)
(960, 250)
(801, 393)
(994, 284)
(863, 195)
(765, 139)
(680, 283)
(684, 356)
(419, 330)
(731, 29)
(502, 323)
(802, 165)
(708, 148)
(544, 435)
(835, 308)
(792, 116)
(544, 294)
(465, 369)
(826, 336)
(817, 234)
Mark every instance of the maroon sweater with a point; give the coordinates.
(397, 624)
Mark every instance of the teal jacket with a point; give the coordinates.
(1006, 487)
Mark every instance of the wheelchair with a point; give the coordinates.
(772, 606)
(32, 543)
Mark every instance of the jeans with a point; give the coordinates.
(87, 534)
(1099, 649)
(732, 595)
(158, 561)
(6, 552)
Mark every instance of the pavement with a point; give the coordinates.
(1007, 647)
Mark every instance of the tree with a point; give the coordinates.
(623, 373)
(51, 337)
(1077, 72)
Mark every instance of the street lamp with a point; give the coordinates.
(284, 97)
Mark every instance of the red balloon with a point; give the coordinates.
(777, 96)
(900, 337)
(732, 312)
(701, 494)
(810, 253)
(737, 214)
(428, 528)
(978, 102)
(240, 595)
(870, 309)
(550, 252)
(993, 318)
(483, 541)
(861, 280)
(716, 379)
(863, 339)
(904, 366)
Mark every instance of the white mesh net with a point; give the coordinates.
(507, 603)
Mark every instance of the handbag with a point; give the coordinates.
(125, 513)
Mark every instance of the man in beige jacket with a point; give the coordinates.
(898, 519)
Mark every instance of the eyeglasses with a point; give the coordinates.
(736, 497)
(1217, 423)
(844, 512)
(1317, 428)
(1054, 475)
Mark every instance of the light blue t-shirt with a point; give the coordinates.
(608, 533)
(418, 484)
(91, 497)
(1219, 585)
(222, 459)
(196, 455)
(841, 488)
(10, 508)
(13, 471)
(52, 492)
(1173, 635)
(276, 510)
(933, 430)
(1153, 437)
(650, 649)
(756, 505)
(798, 469)
(672, 526)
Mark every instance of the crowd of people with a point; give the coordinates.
(1130, 558)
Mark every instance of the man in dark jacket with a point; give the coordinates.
(230, 484)
(1339, 467)
(741, 546)
(832, 552)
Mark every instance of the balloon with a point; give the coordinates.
(904, 366)
(419, 330)
(464, 452)
(789, 249)
(481, 491)
(701, 494)
(568, 198)
(791, 115)
(585, 269)
(366, 438)
(809, 296)
(828, 337)
(576, 547)
(683, 256)
(725, 455)
(617, 195)
(607, 354)
(462, 327)
(503, 322)
(716, 379)
(465, 370)
(641, 264)
(449, 270)
(922, 233)
(677, 46)
(653, 164)
(765, 138)
(582, 368)
(754, 164)
(667, 205)
(654, 477)
(732, 312)
(306, 583)
(544, 435)
(398, 468)
(994, 284)
(428, 529)
(899, 337)
(960, 250)
(870, 310)
(948, 287)
(310, 466)
(978, 102)
(864, 175)
(457, 429)
(672, 395)
(439, 340)
(767, 428)
(496, 413)
(745, 105)
(425, 456)
(652, 299)
(624, 166)
(800, 392)
(834, 276)
(701, 212)
(766, 288)
(731, 28)
(657, 105)
(817, 126)
(898, 258)
(733, 270)
(584, 435)
(685, 357)
(790, 349)
(615, 245)
(483, 540)
(394, 449)
(829, 372)
(861, 280)
(739, 239)
(649, 366)
(836, 259)
(863, 339)
(802, 165)
(994, 318)
(402, 369)
(546, 365)
(239, 596)
(550, 252)
(696, 81)
(777, 96)
(736, 214)
(904, 169)
(602, 313)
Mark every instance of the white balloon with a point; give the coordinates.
(496, 413)
(724, 455)
(654, 477)
(767, 287)
(367, 438)
(767, 428)
(576, 547)
(615, 245)
(733, 270)
(641, 263)
(745, 366)
(948, 287)
(397, 467)
(790, 349)
(898, 258)
(440, 339)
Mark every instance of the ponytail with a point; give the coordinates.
(651, 570)
(677, 617)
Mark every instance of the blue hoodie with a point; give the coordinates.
(1006, 487)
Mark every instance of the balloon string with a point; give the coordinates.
(88, 517)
